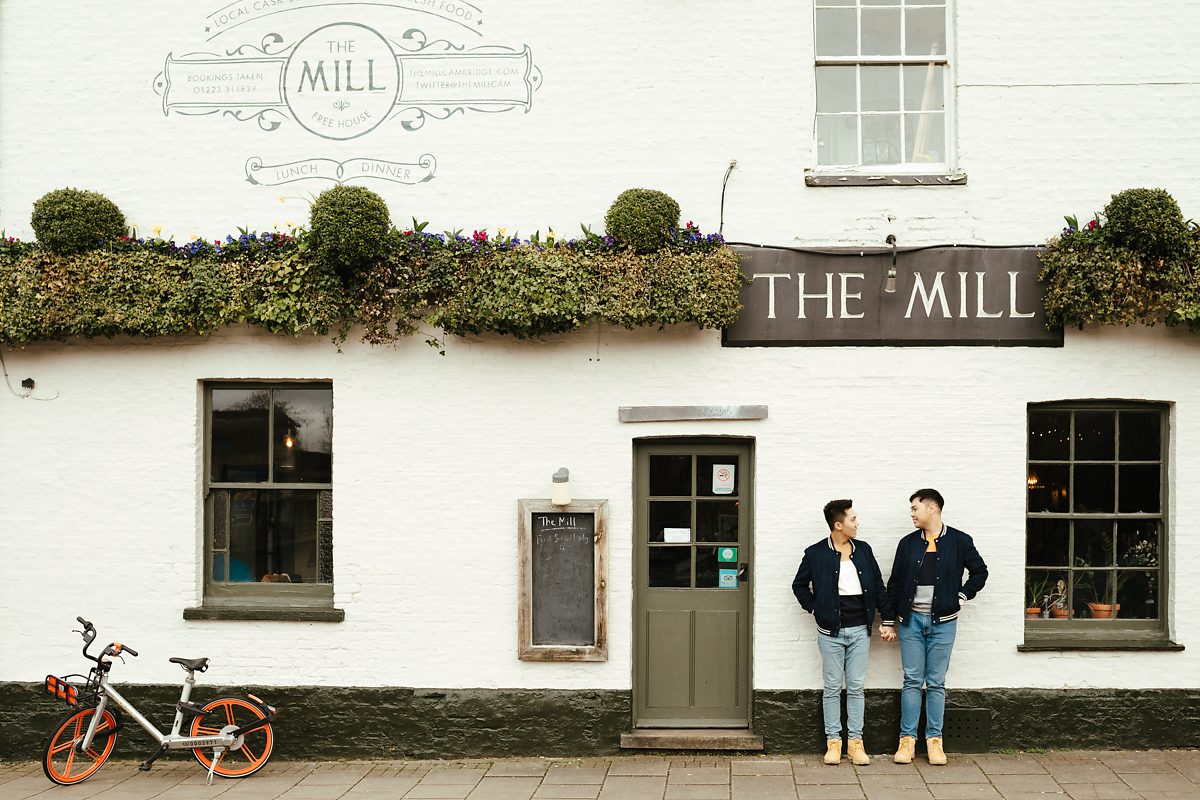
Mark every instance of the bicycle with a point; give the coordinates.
(230, 736)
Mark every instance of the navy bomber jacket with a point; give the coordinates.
(955, 552)
(816, 583)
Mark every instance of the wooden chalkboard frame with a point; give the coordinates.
(526, 649)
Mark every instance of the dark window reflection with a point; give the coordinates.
(1137, 543)
(1137, 593)
(1095, 435)
(669, 514)
(1047, 485)
(272, 537)
(707, 566)
(1047, 542)
(705, 472)
(671, 567)
(238, 430)
(1095, 489)
(1093, 543)
(1049, 435)
(670, 476)
(1140, 490)
(303, 435)
(717, 520)
(1141, 435)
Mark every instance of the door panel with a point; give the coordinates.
(692, 535)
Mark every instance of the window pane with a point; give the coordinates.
(925, 32)
(880, 88)
(1095, 489)
(835, 89)
(1137, 595)
(881, 139)
(669, 514)
(670, 476)
(707, 565)
(238, 447)
(1048, 435)
(717, 521)
(837, 139)
(880, 2)
(303, 436)
(823, 3)
(1093, 543)
(1039, 585)
(880, 31)
(923, 89)
(1094, 435)
(1047, 542)
(1137, 543)
(1092, 595)
(671, 566)
(1141, 435)
(272, 536)
(1140, 490)
(1047, 485)
(706, 470)
(926, 137)
(836, 32)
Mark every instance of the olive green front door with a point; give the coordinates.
(692, 571)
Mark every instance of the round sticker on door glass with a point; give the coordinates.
(727, 553)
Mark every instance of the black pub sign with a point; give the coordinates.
(977, 296)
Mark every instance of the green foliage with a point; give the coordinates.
(74, 220)
(1148, 222)
(642, 219)
(348, 231)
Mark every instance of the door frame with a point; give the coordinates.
(691, 442)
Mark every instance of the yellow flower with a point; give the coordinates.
(501, 232)
(282, 199)
(290, 224)
(157, 230)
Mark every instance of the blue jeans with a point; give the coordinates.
(925, 654)
(844, 655)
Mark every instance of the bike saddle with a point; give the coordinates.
(191, 664)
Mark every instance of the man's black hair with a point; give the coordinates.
(835, 511)
(925, 495)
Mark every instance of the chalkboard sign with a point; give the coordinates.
(562, 581)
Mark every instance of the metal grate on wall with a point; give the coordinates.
(968, 729)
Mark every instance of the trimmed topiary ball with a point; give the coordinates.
(348, 230)
(1148, 222)
(74, 220)
(642, 219)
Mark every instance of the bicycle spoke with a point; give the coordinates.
(249, 755)
(203, 731)
(63, 746)
(229, 713)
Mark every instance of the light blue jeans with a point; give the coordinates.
(925, 654)
(844, 656)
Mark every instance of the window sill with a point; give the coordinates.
(265, 613)
(863, 179)
(1060, 644)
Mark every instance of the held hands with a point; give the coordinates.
(888, 634)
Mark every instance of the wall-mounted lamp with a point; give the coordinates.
(890, 285)
(560, 488)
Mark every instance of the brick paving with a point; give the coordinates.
(1074, 775)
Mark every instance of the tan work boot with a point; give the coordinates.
(933, 747)
(906, 750)
(833, 752)
(857, 753)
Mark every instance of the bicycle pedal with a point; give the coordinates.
(193, 710)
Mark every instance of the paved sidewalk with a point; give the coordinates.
(1078, 775)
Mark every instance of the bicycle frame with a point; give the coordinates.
(171, 741)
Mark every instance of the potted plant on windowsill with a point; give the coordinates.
(1057, 601)
(1036, 595)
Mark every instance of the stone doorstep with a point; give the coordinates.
(691, 739)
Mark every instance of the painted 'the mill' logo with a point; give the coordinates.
(343, 80)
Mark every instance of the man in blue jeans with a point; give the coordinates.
(926, 590)
(839, 583)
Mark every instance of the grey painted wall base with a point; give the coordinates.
(318, 722)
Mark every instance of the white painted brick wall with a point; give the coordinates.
(101, 514)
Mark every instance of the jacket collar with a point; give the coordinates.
(920, 533)
(829, 542)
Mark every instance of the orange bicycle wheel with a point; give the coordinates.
(66, 764)
(245, 758)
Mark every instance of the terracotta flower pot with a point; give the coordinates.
(1104, 610)
(1059, 613)
(1033, 612)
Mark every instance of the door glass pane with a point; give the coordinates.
(1141, 435)
(1094, 436)
(836, 32)
(717, 521)
(722, 470)
(272, 536)
(1095, 489)
(707, 566)
(881, 88)
(835, 89)
(1049, 432)
(837, 139)
(671, 567)
(881, 31)
(670, 476)
(1140, 489)
(925, 135)
(673, 514)
(238, 447)
(923, 92)
(1094, 543)
(1047, 484)
(881, 139)
(1047, 542)
(303, 435)
(925, 32)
